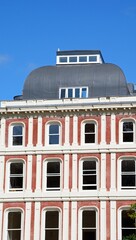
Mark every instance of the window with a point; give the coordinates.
(128, 174)
(128, 225)
(52, 225)
(89, 174)
(74, 92)
(89, 132)
(16, 175)
(88, 230)
(72, 59)
(83, 59)
(92, 58)
(17, 134)
(54, 133)
(14, 225)
(52, 175)
(128, 131)
(62, 59)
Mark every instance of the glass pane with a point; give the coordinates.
(89, 180)
(62, 59)
(92, 58)
(127, 222)
(83, 59)
(53, 167)
(127, 137)
(84, 93)
(89, 219)
(52, 235)
(70, 93)
(128, 166)
(53, 182)
(127, 232)
(89, 138)
(63, 93)
(87, 165)
(89, 128)
(54, 139)
(16, 182)
(72, 59)
(77, 93)
(52, 219)
(14, 234)
(16, 168)
(17, 140)
(128, 126)
(89, 234)
(17, 130)
(128, 181)
(14, 220)
(53, 129)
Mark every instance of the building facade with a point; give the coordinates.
(68, 153)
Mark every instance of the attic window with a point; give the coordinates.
(73, 92)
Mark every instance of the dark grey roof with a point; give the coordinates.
(103, 80)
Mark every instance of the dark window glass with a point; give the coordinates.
(89, 133)
(63, 93)
(128, 174)
(128, 132)
(63, 59)
(92, 58)
(72, 59)
(54, 134)
(70, 93)
(89, 175)
(17, 135)
(16, 176)
(52, 225)
(14, 225)
(83, 59)
(128, 224)
(84, 92)
(89, 225)
(53, 176)
(77, 93)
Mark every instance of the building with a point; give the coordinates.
(68, 152)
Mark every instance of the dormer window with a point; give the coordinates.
(73, 92)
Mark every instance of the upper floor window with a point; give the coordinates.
(53, 133)
(88, 220)
(52, 224)
(14, 224)
(88, 132)
(127, 131)
(128, 225)
(128, 174)
(74, 92)
(16, 175)
(53, 175)
(17, 132)
(89, 174)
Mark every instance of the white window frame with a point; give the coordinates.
(120, 187)
(8, 175)
(47, 133)
(43, 221)
(45, 188)
(81, 173)
(121, 130)
(5, 229)
(12, 125)
(83, 132)
(73, 89)
(123, 208)
(80, 216)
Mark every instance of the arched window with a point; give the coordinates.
(128, 225)
(89, 132)
(128, 173)
(127, 131)
(53, 131)
(16, 134)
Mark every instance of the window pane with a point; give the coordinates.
(87, 165)
(53, 183)
(17, 140)
(84, 93)
(127, 137)
(62, 59)
(77, 93)
(89, 128)
(17, 130)
(14, 234)
(53, 129)
(52, 235)
(63, 93)
(89, 219)
(92, 58)
(128, 126)
(70, 93)
(51, 220)
(14, 220)
(54, 139)
(16, 168)
(83, 59)
(128, 180)
(53, 167)
(89, 234)
(72, 59)
(89, 138)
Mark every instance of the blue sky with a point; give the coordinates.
(31, 31)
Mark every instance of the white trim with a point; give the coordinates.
(37, 213)
(74, 221)
(66, 172)
(113, 172)
(30, 131)
(1, 173)
(103, 171)
(67, 128)
(113, 128)
(66, 235)
(39, 131)
(113, 221)
(73, 92)
(75, 130)
(103, 128)
(29, 173)
(28, 220)
(1, 219)
(74, 172)
(103, 220)
(3, 128)
(38, 172)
